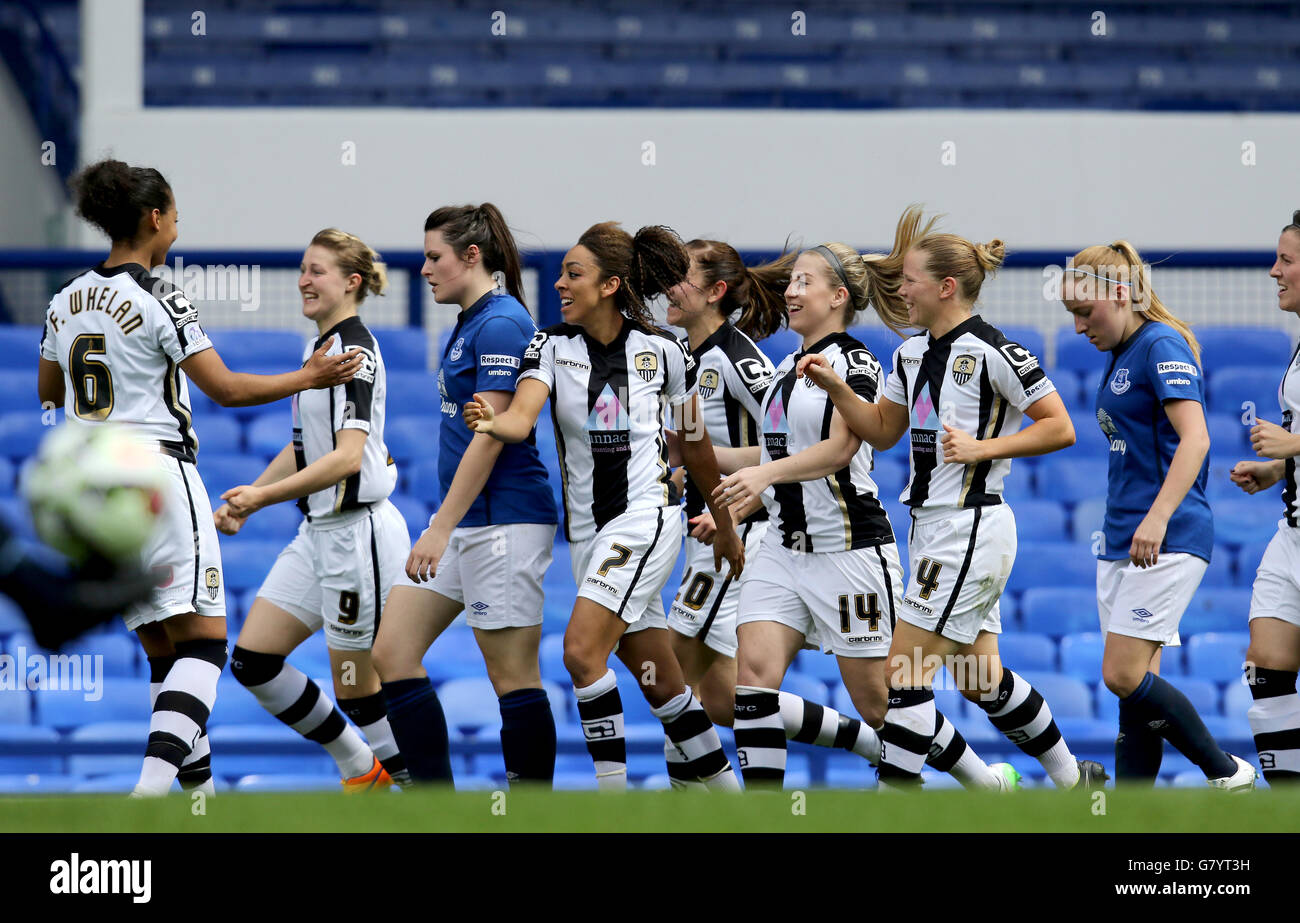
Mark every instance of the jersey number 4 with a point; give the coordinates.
(92, 381)
(927, 576)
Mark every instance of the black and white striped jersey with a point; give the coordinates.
(733, 377)
(607, 405)
(838, 512)
(976, 380)
(320, 413)
(1288, 398)
(120, 335)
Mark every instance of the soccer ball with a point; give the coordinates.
(95, 489)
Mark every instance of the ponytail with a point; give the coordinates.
(483, 226)
(757, 292)
(646, 265)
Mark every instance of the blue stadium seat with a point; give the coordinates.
(278, 523)
(222, 472)
(454, 654)
(11, 734)
(1068, 697)
(1221, 573)
(122, 654)
(122, 700)
(8, 477)
(551, 657)
(16, 704)
(130, 733)
(1173, 661)
(780, 344)
(20, 433)
(256, 350)
(1089, 441)
(1058, 611)
(1240, 521)
(221, 435)
(471, 704)
(31, 783)
(1249, 556)
(1069, 385)
(1216, 608)
(422, 481)
(415, 394)
(313, 658)
(1218, 481)
(21, 343)
(1023, 650)
(268, 433)
(1234, 385)
(1040, 520)
(1078, 731)
(1031, 338)
(1088, 517)
(236, 705)
(411, 440)
(1217, 656)
(246, 564)
(1077, 477)
(1075, 353)
(890, 475)
(879, 339)
(1054, 564)
(403, 349)
(818, 665)
(806, 687)
(1203, 694)
(414, 511)
(1237, 700)
(233, 765)
(1266, 347)
(18, 391)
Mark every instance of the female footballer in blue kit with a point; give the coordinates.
(1274, 654)
(1159, 530)
(489, 544)
(611, 375)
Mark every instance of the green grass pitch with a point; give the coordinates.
(816, 810)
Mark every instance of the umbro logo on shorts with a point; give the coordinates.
(479, 606)
(1142, 615)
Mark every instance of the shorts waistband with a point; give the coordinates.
(177, 450)
(345, 518)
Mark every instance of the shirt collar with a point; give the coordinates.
(354, 320)
(957, 331)
(713, 340)
(473, 309)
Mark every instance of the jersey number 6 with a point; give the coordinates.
(92, 382)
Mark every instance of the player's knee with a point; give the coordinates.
(392, 662)
(253, 668)
(584, 663)
(1121, 679)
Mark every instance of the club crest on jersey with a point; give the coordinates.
(1120, 383)
(963, 367)
(456, 350)
(212, 580)
(708, 383)
(646, 364)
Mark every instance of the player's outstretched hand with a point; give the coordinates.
(328, 371)
(479, 415)
(818, 368)
(422, 563)
(738, 490)
(1271, 441)
(1254, 476)
(244, 500)
(728, 547)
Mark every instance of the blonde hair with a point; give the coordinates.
(353, 256)
(873, 279)
(969, 264)
(1120, 264)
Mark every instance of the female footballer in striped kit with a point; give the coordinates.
(339, 568)
(827, 574)
(1159, 531)
(1274, 653)
(609, 374)
(961, 389)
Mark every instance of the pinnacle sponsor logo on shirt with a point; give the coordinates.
(608, 425)
(776, 429)
(925, 421)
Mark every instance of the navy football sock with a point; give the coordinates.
(1138, 749)
(420, 728)
(528, 736)
(1168, 712)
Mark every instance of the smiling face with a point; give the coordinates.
(691, 300)
(816, 307)
(924, 295)
(580, 287)
(1286, 271)
(322, 285)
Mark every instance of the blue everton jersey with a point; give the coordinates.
(1154, 365)
(483, 355)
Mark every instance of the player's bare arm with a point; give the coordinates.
(880, 425)
(49, 382)
(702, 464)
(514, 424)
(239, 389)
(341, 463)
(1188, 420)
(1050, 432)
